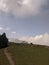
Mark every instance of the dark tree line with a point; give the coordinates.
(3, 41)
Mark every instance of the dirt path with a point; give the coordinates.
(9, 57)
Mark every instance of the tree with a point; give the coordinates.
(3, 40)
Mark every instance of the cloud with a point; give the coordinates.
(4, 28)
(1, 28)
(23, 7)
(13, 32)
(38, 39)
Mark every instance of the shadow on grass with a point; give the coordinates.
(4, 47)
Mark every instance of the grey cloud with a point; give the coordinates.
(24, 7)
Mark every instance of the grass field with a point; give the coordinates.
(25, 54)
(3, 59)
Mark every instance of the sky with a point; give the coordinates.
(25, 19)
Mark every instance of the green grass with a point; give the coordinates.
(29, 54)
(3, 59)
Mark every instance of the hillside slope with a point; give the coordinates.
(25, 54)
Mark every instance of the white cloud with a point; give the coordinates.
(1, 28)
(13, 32)
(38, 39)
(22, 7)
(4, 28)
(3, 6)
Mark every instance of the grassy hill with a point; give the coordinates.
(25, 54)
(3, 59)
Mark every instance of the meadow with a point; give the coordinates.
(3, 59)
(25, 54)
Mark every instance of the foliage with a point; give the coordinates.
(3, 41)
